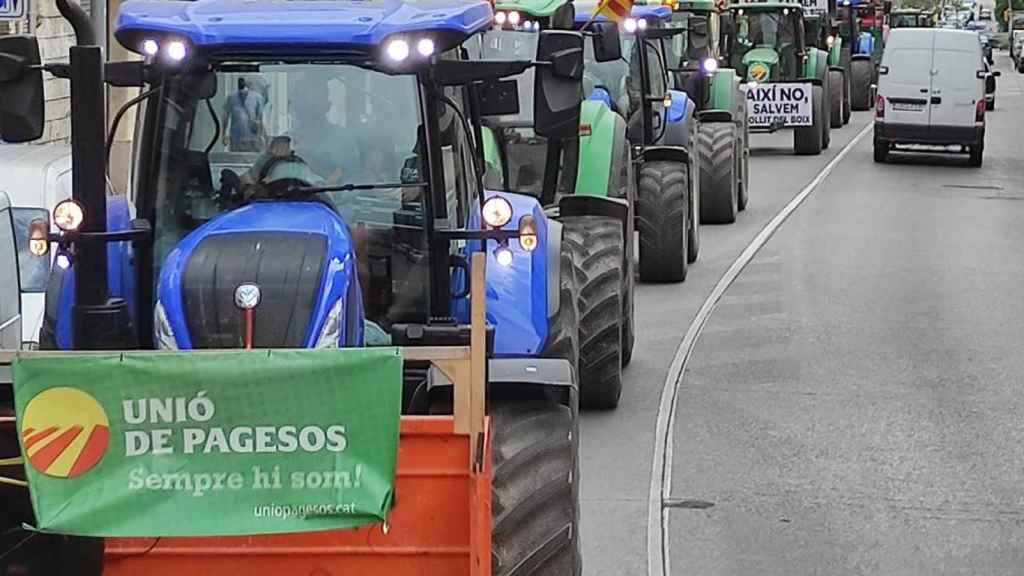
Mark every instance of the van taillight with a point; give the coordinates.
(979, 111)
(880, 107)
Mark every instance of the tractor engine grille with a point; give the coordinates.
(287, 268)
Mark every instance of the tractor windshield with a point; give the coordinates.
(270, 128)
(768, 30)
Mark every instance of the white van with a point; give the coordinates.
(931, 91)
(35, 179)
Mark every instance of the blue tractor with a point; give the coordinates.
(310, 174)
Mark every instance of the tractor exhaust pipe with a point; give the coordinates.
(79, 20)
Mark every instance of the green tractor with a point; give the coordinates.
(787, 83)
(722, 137)
(819, 27)
(586, 183)
(628, 73)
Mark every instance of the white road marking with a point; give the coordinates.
(661, 466)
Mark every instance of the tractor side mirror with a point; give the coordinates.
(726, 31)
(558, 90)
(21, 89)
(563, 17)
(607, 47)
(990, 84)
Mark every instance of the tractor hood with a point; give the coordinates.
(298, 255)
(765, 56)
(247, 26)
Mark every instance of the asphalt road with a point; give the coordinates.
(850, 406)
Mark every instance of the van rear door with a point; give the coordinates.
(956, 88)
(906, 84)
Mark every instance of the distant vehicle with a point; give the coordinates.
(985, 14)
(910, 18)
(990, 86)
(931, 91)
(986, 47)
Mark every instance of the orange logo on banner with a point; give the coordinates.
(65, 432)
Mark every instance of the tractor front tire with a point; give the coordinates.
(535, 490)
(846, 96)
(807, 140)
(717, 147)
(599, 273)
(861, 75)
(661, 214)
(835, 88)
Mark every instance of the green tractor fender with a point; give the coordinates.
(816, 65)
(725, 95)
(494, 167)
(835, 52)
(603, 152)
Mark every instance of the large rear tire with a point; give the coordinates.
(835, 88)
(661, 220)
(861, 74)
(807, 140)
(599, 273)
(535, 490)
(717, 147)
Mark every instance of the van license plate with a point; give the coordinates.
(908, 106)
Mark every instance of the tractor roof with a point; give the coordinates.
(535, 8)
(649, 12)
(767, 4)
(301, 25)
(686, 5)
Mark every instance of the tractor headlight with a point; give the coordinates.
(150, 47)
(330, 334)
(709, 65)
(499, 18)
(68, 215)
(513, 18)
(425, 47)
(830, 40)
(641, 24)
(398, 50)
(497, 212)
(503, 256)
(630, 25)
(176, 50)
(163, 334)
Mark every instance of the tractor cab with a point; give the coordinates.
(769, 40)
(311, 176)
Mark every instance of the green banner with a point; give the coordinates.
(212, 443)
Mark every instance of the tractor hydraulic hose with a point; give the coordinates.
(120, 114)
(79, 20)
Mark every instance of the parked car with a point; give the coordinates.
(35, 179)
(931, 91)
